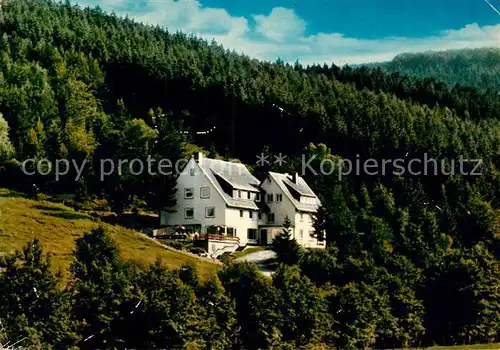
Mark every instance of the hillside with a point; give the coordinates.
(57, 227)
(413, 255)
(477, 68)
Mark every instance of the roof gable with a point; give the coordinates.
(295, 189)
(226, 176)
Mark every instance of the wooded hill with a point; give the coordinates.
(477, 68)
(413, 259)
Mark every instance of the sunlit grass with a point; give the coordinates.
(467, 347)
(249, 251)
(57, 227)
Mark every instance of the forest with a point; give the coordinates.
(478, 68)
(412, 260)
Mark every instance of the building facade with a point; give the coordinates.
(226, 204)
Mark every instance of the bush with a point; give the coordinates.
(226, 258)
(177, 245)
(197, 250)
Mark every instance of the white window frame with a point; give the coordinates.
(206, 212)
(185, 192)
(201, 192)
(269, 216)
(279, 197)
(185, 213)
(256, 234)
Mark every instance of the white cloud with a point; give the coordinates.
(282, 34)
(191, 17)
(280, 24)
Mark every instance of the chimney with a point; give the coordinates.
(296, 178)
(199, 157)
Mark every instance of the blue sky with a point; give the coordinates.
(317, 31)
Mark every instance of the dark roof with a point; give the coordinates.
(293, 190)
(231, 175)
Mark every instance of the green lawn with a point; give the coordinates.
(57, 227)
(248, 251)
(467, 347)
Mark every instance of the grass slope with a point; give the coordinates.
(467, 347)
(247, 251)
(57, 227)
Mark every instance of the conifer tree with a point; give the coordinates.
(33, 306)
(286, 248)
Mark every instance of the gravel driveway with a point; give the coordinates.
(261, 259)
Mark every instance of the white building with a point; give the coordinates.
(290, 196)
(230, 208)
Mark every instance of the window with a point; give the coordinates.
(301, 234)
(191, 172)
(252, 234)
(189, 213)
(248, 195)
(270, 217)
(189, 193)
(250, 214)
(257, 197)
(259, 215)
(279, 198)
(269, 197)
(310, 218)
(239, 194)
(205, 192)
(231, 231)
(210, 212)
(212, 230)
(321, 236)
(241, 213)
(301, 216)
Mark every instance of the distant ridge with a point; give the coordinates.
(478, 68)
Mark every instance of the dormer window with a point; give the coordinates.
(239, 194)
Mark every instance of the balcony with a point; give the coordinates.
(215, 237)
